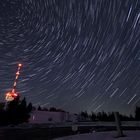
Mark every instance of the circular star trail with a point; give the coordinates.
(76, 54)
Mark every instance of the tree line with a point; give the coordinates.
(100, 116)
(18, 111)
(51, 109)
(103, 116)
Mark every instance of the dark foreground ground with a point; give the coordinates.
(48, 133)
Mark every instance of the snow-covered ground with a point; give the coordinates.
(130, 135)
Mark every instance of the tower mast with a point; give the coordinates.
(12, 95)
(16, 78)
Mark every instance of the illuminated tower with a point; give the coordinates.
(12, 95)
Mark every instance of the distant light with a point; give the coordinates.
(20, 65)
(33, 117)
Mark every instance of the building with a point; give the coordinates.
(49, 117)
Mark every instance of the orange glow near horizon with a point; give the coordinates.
(10, 96)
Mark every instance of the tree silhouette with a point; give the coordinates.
(53, 109)
(16, 112)
(29, 107)
(84, 115)
(137, 113)
(93, 116)
(39, 108)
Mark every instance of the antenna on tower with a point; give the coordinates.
(16, 78)
(12, 95)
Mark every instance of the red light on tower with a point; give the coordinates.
(17, 73)
(20, 65)
(10, 96)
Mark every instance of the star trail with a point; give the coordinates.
(76, 54)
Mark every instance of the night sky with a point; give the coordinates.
(76, 54)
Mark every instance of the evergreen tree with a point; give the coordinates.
(84, 115)
(137, 113)
(53, 109)
(39, 108)
(29, 107)
(16, 112)
(93, 117)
